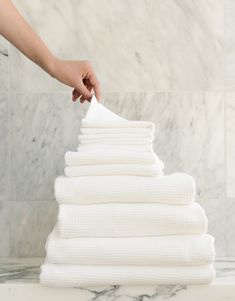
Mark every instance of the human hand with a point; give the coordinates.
(78, 75)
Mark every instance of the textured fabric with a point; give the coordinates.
(172, 250)
(178, 188)
(117, 131)
(122, 147)
(117, 124)
(116, 136)
(112, 156)
(95, 275)
(126, 220)
(114, 169)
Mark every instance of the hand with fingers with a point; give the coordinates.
(78, 75)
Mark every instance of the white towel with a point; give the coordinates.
(90, 275)
(114, 169)
(126, 220)
(178, 188)
(171, 250)
(117, 131)
(117, 136)
(121, 147)
(117, 124)
(111, 156)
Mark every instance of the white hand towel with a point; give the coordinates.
(121, 147)
(126, 220)
(112, 156)
(118, 136)
(178, 188)
(171, 250)
(114, 169)
(90, 275)
(117, 131)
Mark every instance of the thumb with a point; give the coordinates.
(82, 89)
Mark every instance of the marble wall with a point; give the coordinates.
(169, 61)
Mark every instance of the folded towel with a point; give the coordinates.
(121, 147)
(117, 131)
(117, 124)
(90, 275)
(170, 250)
(114, 169)
(117, 136)
(178, 188)
(126, 220)
(111, 156)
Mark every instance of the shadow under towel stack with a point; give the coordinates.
(121, 220)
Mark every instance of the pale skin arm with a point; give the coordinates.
(77, 74)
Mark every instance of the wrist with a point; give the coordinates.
(51, 64)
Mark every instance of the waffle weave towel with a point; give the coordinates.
(114, 169)
(126, 220)
(178, 188)
(112, 156)
(95, 275)
(171, 250)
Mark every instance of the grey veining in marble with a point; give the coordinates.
(31, 222)
(134, 45)
(4, 56)
(4, 147)
(43, 127)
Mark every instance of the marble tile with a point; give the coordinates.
(216, 211)
(229, 44)
(230, 229)
(4, 147)
(190, 136)
(134, 46)
(230, 142)
(5, 229)
(43, 127)
(31, 222)
(4, 56)
(123, 104)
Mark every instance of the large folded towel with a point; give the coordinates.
(126, 220)
(171, 250)
(112, 156)
(114, 169)
(95, 275)
(178, 188)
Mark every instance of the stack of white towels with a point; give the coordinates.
(121, 221)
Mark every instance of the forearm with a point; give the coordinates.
(18, 32)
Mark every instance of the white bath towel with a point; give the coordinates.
(178, 188)
(126, 220)
(114, 169)
(170, 250)
(90, 275)
(111, 156)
